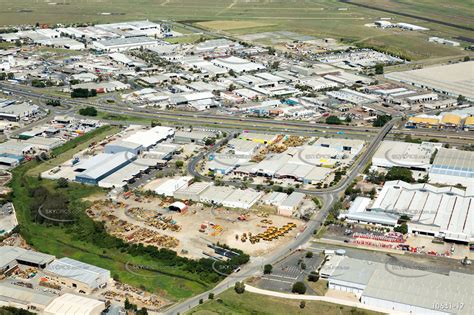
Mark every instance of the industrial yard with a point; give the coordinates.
(148, 220)
(314, 152)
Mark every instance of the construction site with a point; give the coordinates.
(150, 220)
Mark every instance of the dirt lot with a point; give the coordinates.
(189, 233)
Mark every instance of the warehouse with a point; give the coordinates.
(242, 199)
(45, 144)
(223, 164)
(274, 198)
(77, 275)
(237, 64)
(390, 289)
(12, 256)
(423, 121)
(123, 44)
(151, 137)
(453, 167)
(216, 195)
(243, 147)
(404, 154)
(75, 304)
(14, 111)
(24, 298)
(95, 169)
(291, 204)
(440, 212)
(350, 275)
(258, 137)
(169, 186)
(192, 192)
(351, 146)
(164, 151)
(123, 146)
(456, 79)
(129, 173)
(194, 136)
(469, 123)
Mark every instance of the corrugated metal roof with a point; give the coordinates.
(79, 271)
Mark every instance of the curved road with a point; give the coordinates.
(252, 268)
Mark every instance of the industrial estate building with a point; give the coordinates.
(453, 167)
(80, 276)
(404, 154)
(456, 79)
(445, 212)
(397, 288)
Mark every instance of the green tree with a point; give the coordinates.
(333, 120)
(402, 228)
(179, 164)
(309, 254)
(267, 269)
(88, 111)
(298, 287)
(313, 276)
(239, 287)
(63, 182)
(381, 120)
(400, 173)
(379, 68)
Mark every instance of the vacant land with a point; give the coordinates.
(230, 302)
(324, 18)
(232, 25)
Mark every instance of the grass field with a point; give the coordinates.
(169, 281)
(321, 18)
(248, 303)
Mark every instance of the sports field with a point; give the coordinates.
(320, 18)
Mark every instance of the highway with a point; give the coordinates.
(327, 195)
(236, 122)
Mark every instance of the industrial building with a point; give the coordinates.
(242, 199)
(123, 146)
(169, 186)
(404, 154)
(93, 170)
(352, 146)
(456, 79)
(77, 275)
(237, 64)
(258, 137)
(123, 44)
(151, 137)
(446, 212)
(194, 136)
(130, 172)
(453, 167)
(15, 111)
(192, 192)
(397, 288)
(24, 298)
(288, 206)
(12, 256)
(75, 304)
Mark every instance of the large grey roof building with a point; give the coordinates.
(90, 275)
(454, 79)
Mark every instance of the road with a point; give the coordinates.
(222, 121)
(328, 196)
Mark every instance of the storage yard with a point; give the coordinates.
(148, 220)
